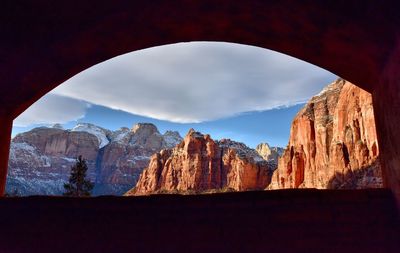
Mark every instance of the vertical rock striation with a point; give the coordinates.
(333, 142)
(127, 154)
(199, 164)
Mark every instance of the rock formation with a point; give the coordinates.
(127, 154)
(40, 160)
(332, 143)
(199, 164)
(269, 153)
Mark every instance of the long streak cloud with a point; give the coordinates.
(196, 81)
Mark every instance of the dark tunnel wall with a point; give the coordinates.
(44, 43)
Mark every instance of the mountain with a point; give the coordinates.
(333, 143)
(120, 162)
(269, 153)
(200, 164)
(40, 160)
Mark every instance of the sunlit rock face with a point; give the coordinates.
(200, 164)
(127, 154)
(41, 159)
(269, 153)
(333, 143)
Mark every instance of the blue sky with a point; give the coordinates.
(252, 128)
(245, 93)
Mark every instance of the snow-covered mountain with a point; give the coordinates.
(103, 135)
(40, 160)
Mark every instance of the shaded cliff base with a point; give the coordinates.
(269, 221)
(191, 191)
(365, 177)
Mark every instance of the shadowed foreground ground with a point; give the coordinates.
(270, 221)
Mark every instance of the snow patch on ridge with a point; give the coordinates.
(68, 159)
(99, 132)
(141, 157)
(121, 135)
(172, 138)
(22, 151)
(21, 186)
(241, 149)
(332, 87)
(22, 146)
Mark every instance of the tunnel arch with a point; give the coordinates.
(241, 54)
(110, 31)
(48, 43)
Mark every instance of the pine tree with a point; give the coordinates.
(78, 185)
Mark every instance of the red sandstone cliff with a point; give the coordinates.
(332, 143)
(200, 164)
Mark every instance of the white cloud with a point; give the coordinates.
(197, 81)
(51, 109)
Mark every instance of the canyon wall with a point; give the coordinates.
(41, 159)
(200, 164)
(333, 143)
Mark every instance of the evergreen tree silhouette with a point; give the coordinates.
(78, 185)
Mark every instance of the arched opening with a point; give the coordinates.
(237, 94)
(44, 44)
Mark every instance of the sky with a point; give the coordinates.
(227, 90)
